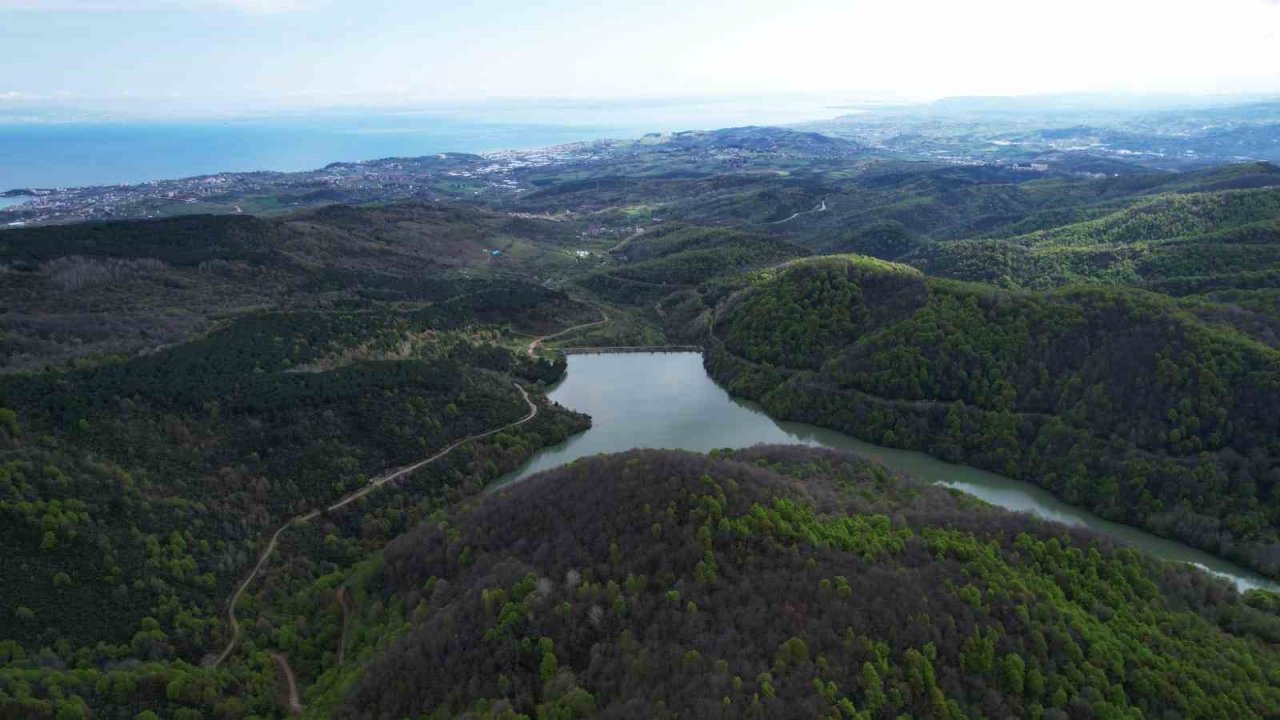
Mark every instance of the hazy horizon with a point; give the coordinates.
(76, 149)
(95, 59)
(635, 114)
(97, 92)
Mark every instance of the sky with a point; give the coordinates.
(220, 56)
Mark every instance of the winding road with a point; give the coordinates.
(820, 207)
(347, 500)
(292, 702)
(533, 345)
(346, 617)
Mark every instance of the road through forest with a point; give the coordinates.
(346, 500)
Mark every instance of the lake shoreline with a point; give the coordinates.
(669, 401)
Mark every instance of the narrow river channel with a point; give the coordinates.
(667, 400)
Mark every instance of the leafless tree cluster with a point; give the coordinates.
(77, 272)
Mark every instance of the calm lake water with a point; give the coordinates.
(667, 400)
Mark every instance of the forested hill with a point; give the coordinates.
(788, 582)
(138, 491)
(1182, 244)
(654, 264)
(177, 392)
(1114, 399)
(94, 289)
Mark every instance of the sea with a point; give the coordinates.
(82, 153)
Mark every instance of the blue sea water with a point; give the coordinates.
(72, 154)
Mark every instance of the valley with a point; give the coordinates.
(669, 402)
(775, 391)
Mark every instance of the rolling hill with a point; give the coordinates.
(1115, 399)
(785, 582)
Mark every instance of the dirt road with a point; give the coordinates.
(533, 345)
(346, 500)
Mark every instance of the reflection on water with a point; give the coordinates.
(667, 400)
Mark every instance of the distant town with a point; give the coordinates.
(836, 146)
(441, 176)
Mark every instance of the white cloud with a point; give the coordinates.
(23, 97)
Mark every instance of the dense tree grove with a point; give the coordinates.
(661, 262)
(135, 493)
(89, 291)
(195, 381)
(1114, 399)
(1177, 243)
(294, 610)
(184, 240)
(1168, 216)
(782, 582)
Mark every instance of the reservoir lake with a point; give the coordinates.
(667, 400)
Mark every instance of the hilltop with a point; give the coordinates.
(97, 289)
(1112, 398)
(784, 582)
